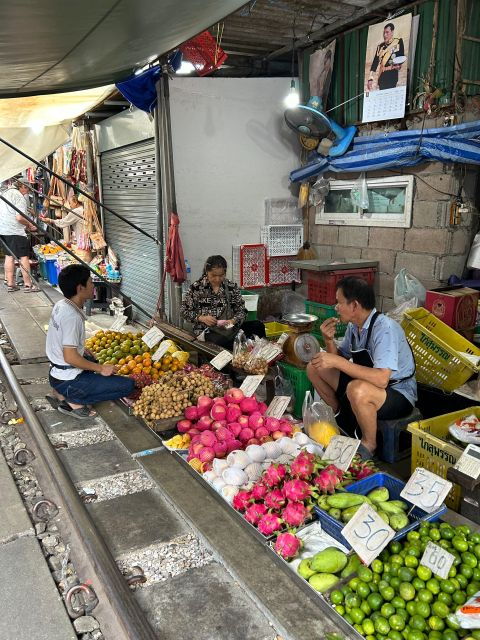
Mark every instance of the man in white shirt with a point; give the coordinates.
(78, 381)
(13, 228)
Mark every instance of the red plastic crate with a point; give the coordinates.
(249, 265)
(322, 284)
(280, 271)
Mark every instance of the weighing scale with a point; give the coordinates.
(300, 346)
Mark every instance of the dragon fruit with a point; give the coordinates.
(287, 545)
(242, 500)
(259, 491)
(326, 481)
(296, 490)
(295, 514)
(338, 472)
(274, 475)
(269, 523)
(303, 466)
(275, 499)
(254, 512)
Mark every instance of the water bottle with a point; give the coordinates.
(187, 283)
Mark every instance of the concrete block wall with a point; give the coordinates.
(431, 249)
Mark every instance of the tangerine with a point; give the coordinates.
(137, 369)
(138, 358)
(129, 358)
(131, 365)
(122, 361)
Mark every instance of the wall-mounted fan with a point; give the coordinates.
(310, 121)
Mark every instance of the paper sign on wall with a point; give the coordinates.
(341, 450)
(367, 533)
(153, 337)
(426, 490)
(250, 384)
(161, 351)
(220, 360)
(278, 406)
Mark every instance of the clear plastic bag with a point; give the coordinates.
(255, 364)
(359, 192)
(283, 387)
(240, 350)
(407, 288)
(318, 420)
(292, 303)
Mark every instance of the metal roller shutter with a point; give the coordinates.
(129, 187)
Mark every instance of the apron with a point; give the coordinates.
(364, 359)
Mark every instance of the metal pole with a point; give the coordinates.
(158, 187)
(121, 600)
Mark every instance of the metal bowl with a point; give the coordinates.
(299, 319)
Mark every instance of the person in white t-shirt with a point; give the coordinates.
(78, 382)
(13, 228)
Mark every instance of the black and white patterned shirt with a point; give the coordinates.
(201, 300)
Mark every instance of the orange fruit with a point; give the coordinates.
(155, 376)
(129, 358)
(131, 365)
(157, 365)
(137, 370)
(122, 361)
(146, 369)
(138, 358)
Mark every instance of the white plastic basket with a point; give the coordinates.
(281, 272)
(283, 211)
(249, 265)
(251, 301)
(282, 240)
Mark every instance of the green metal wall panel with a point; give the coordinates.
(424, 45)
(470, 49)
(445, 49)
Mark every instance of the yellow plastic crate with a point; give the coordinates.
(275, 329)
(431, 451)
(438, 351)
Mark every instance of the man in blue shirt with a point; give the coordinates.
(373, 369)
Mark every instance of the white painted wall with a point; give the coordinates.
(232, 149)
(126, 127)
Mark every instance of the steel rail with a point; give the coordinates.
(125, 608)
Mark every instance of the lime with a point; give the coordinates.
(475, 634)
(440, 609)
(376, 579)
(434, 586)
(445, 544)
(375, 601)
(363, 590)
(435, 635)
(452, 621)
(405, 574)
(425, 595)
(377, 566)
(462, 580)
(395, 583)
(417, 622)
(414, 634)
(424, 573)
(368, 627)
(464, 529)
(354, 583)
(407, 591)
(411, 608)
(336, 597)
(395, 559)
(466, 571)
(394, 569)
(418, 584)
(404, 613)
(447, 533)
(472, 588)
(469, 559)
(436, 624)
(411, 561)
(455, 583)
(460, 544)
(381, 625)
(340, 609)
(452, 572)
(457, 556)
(348, 618)
(415, 551)
(352, 600)
(357, 615)
(398, 603)
(365, 574)
(395, 547)
(474, 537)
(422, 609)
(375, 615)
(449, 634)
(394, 635)
(387, 577)
(434, 534)
(387, 609)
(388, 592)
(346, 589)
(366, 608)
(446, 598)
(476, 573)
(396, 622)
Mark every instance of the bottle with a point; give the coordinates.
(187, 283)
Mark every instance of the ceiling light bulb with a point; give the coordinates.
(185, 68)
(292, 99)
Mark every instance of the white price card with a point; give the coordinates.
(341, 450)
(269, 352)
(437, 559)
(250, 384)
(278, 406)
(220, 360)
(426, 490)
(367, 533)
(153, 337)
(282, 339)
(469, 461)
(118, 323)
(161, 351)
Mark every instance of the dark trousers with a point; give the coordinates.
(251, 328)
(90, 387)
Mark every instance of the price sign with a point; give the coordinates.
(367, 533)
(269, 352)
(469, 461)
(153, 337)
(340, 451)
(426, 490)
(222, 359)
(437, 559)
(282, 339)
(118, 323)
(250, 384)
(278, 406)
(161, 351)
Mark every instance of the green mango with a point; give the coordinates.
(379, 495)
(384, 516)
(352, 566)
(398, 521)
(335, 513)
(347, 514)
(389, 507)
(322, 581)
(400, 503)
(322, 502)
(345, 500)
(304, 569)
(330, 560)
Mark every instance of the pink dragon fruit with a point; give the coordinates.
(326, 481)
(296, 490)
(254, 512)
(338, 472)
(287, 545)
(303, 466)
(295, 514)
(275, 499)
(242, 500)
(259, 491)
(269, 523)
(274, 475)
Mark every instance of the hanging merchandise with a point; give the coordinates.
(77, 169)
(92, 237)
(359, 193)
(204, 52)
(57, 193)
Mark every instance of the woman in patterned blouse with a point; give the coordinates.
(213, 298)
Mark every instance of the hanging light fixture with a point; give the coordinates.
(292, 99)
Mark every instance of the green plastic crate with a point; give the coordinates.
(324, 311)
(300, 382)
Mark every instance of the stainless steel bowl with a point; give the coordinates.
(299, 319)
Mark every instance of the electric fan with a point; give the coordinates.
(309, 120)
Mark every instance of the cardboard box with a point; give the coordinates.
(456, 306)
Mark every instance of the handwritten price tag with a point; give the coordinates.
(153, 337)
(367, 533)
(118, 323)
(426, 490)
(278, 406)
(341, 450)
(282, 339)
(222, 359)
(469, 461)
(250, 384)
(438, 560)
(161, 351)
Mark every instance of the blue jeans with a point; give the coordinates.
(90, 387)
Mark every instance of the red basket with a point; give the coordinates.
(204, 53)
(322, 284)
(249, 265)
(280, 271)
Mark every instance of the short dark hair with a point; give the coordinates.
(215, 262)
(357, 289)
(70, 277)
(390, 26)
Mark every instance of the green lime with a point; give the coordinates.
(434, 534)
(452, 572)
(396, 622)
(398, 602)
(469, 559)
(460, 544)
(365, 574)
(366, 608)
(388, 592)
(413, 535)
(472, 588)
(447, 532)
(452, 621)
(424, 573)
(434, 586)
(352, 600)
(435, 635)
(411, 561)
(377, 566)
(395, 546)
(476, 573)
(411, 608)
(387, 577)
(395, 583)
(436, 624)
(340, 609)
(395, 559)
(445, 544)
(375, 601)
(417, 622)
(422, 609)
(474, 537)
(407, 591)
(368, 627)
(415, 551)
(449, 634)
(387, 609)
(425, 595)
(404, 613)
(424, 528)
(376, 579)
(464, 529)
(418, 584)
(346, 589)
(462, 580)
(363, 590)
(394, 569)
(382, 626)
(406, 575)
(475, 634)
(336, 597)
(394, 635)
(357, 615)
(414, 634)
(457, 556)
(353, 583)
(375, 615)
(455, 583)
(446, 598)
(348, 618)
(440, 609)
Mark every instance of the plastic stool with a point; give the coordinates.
(391, 430)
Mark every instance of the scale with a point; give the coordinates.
(300, 346)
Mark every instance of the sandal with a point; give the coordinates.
(82, 413)
(12, 289)
(364, 453)
(31, 289)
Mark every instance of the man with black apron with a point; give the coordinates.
(373, 370)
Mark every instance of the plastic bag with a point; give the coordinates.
(292, 303)
(256, 364)
(408, 287)
(283, 387)
(318, 420)
(468, 615)
(359, 193)
(240, 350)
(397, 313)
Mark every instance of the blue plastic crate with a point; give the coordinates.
(395, 486)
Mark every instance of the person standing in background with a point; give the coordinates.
(73, 219)
(13, 232)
